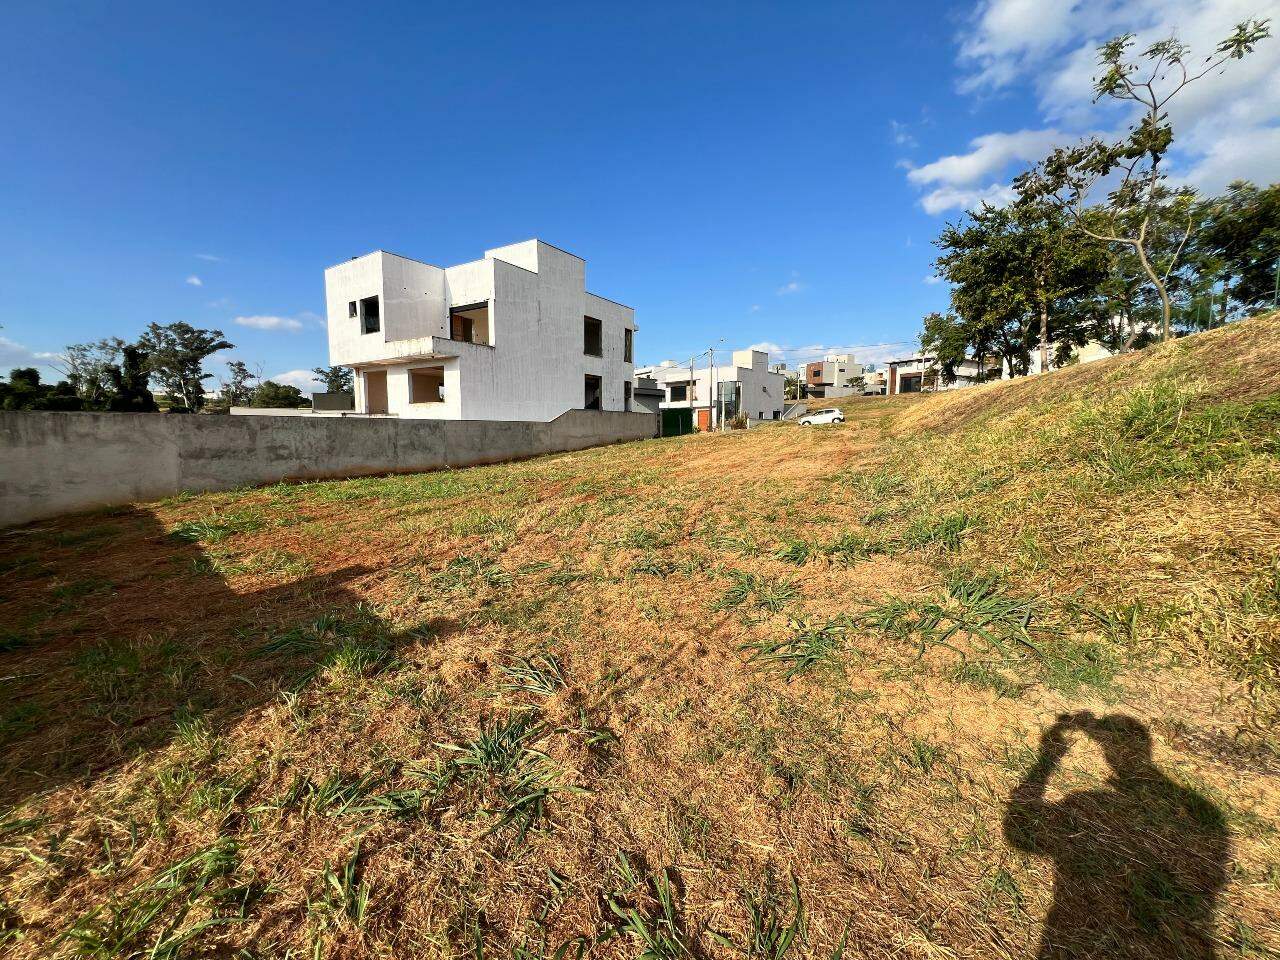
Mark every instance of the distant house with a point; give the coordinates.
(646, 395)
(835, 375)
(514, 335)
(922, 373)
(1086, 353)
(745, 385)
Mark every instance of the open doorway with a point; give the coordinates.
(375, 391)
(591, 395)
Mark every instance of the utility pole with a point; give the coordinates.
(711, 396)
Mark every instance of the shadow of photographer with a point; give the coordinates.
(1138, 865)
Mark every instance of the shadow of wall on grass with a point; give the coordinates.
(1138, 865)
(113, 633)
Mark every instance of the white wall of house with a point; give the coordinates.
(534, 365)
(761, 389)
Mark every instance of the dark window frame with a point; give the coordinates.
(370, 323)
(469, 322)
(628, 344)
(589, 338)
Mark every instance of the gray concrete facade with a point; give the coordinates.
(56, 463)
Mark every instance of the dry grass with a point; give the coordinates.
(757, 694)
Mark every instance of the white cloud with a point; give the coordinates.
(304, 380)
(959, 198)
(793, 286)
(755, 308)
(269, 323)
(1243, 155)
(901, 134)
(1226, 125)
(1006, 34)
(862, 352)
(194, 281)
(989, 154)
(14, 354)
(309, 316)
(208, 257)
(932, 279)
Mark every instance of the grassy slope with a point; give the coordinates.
(514, 705)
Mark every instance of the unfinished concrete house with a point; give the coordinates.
(512, 336)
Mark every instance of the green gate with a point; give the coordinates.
(677, 421)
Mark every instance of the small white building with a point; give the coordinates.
(512, 336)
(746, 384)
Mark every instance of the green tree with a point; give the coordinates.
(24, 391)
(128, 381)
(1237, 243)
(272, 394)
(237, 389)
(176, 354)
(1022, 278)
(1149, 80)
(335, 379)
(1061, 267)
(87, 367)
(980, 260)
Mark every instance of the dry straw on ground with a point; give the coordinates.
(656, 696)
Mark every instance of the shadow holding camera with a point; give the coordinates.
(1138, 864)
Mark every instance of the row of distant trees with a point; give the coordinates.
(114, 375)
(1099, 246)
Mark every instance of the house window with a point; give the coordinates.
(591, 340)
(591, 396)
(777, 414)
(351, 309)
(370, 320)
(470, 324)
(628, 335)
(626, 393)
(679, 392)
(426, 385)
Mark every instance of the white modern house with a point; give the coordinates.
(746, 384)
(921, 373)
(512, 336)
(835, 375)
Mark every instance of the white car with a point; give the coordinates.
(821, 416)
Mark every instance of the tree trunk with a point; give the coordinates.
(1223, 315)
(1044, 335)
(1165, 306)
(1126, 345)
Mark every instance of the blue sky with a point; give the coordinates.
(758, 173)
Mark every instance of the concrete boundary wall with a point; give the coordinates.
(56, 463)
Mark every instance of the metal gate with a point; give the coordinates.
(677, 421)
